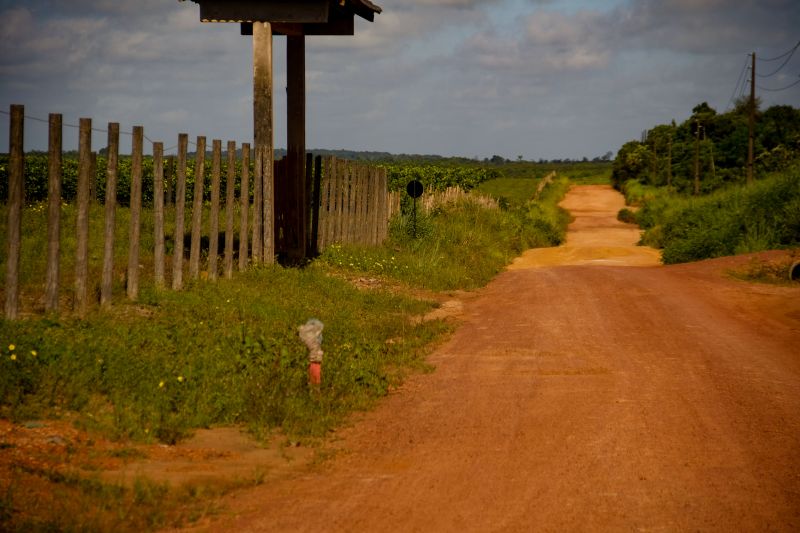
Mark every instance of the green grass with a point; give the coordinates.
(461, 246)
(510, 191)
(225, 352)
(590, 174)
(735, 220)
(229, 352)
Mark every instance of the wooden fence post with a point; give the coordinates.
(352, 190)
(380, 204)
(54, 176)
(82, 248)
(325, 203)
(258, 205)
(372, 206)
(16, 197)
(385, 211)
(268, 205)
(136, 212)
(213, 223)
(308, 184)
(197, 208)
(244, 197)
(355, 189)
(362, 202)
(280, 194)
(335, 221)
(180, 206)
(341, 201)
(107, 280)
(158, 214)
(230, 198)
(316, 198)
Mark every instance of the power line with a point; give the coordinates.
(790, 51)
(739, 84)
(743, 89)
(781, 89)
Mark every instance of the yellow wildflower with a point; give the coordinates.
(13, 357)
(180, 379)
(11, 347)
(160, 384)
(34, 353)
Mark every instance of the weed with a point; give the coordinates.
(772, 272)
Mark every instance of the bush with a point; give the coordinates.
(735, 220)
(627, 216)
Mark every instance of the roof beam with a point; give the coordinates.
(294, 11)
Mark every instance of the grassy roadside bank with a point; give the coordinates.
(733, 220)
(228, 352)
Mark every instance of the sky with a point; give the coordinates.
(540, 79)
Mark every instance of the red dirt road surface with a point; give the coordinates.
(584, 391)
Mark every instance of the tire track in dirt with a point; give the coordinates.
(580, 397)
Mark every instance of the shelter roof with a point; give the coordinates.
(290, 11)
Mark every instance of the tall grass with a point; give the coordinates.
(738, 219)
(460, 246)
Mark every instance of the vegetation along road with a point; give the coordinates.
(587, 389)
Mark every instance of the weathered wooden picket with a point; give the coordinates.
(350, 204)
(353, 204)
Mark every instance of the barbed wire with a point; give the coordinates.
(98, 130)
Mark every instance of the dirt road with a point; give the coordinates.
(580, 394)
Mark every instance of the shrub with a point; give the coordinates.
(734, 220)
(627, 216)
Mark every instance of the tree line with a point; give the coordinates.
(709, 149)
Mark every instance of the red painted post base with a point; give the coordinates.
(314, 373)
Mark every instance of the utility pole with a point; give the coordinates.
(710, 145)
(752, 120)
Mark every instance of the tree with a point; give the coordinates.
(631, 162)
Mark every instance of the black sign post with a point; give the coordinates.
(414, 190)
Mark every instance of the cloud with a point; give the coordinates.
(709, 26)
(535, 77)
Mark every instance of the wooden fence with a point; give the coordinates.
(432, 199)
(353, 205)
(350, 204)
